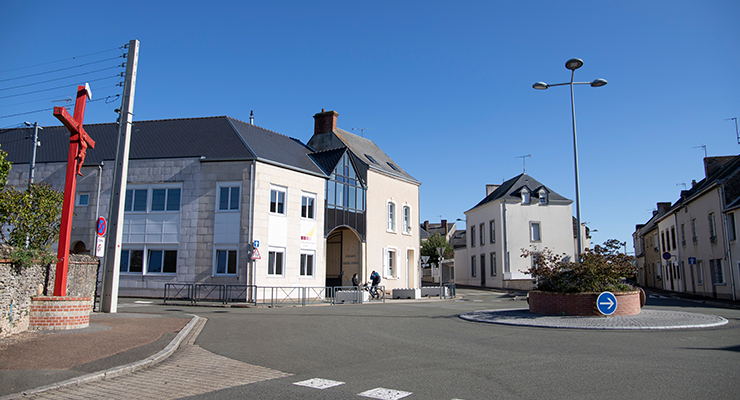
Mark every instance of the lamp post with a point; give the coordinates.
(573, 64)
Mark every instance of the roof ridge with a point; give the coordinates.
(257, 126)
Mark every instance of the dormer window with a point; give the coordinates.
(525, 196)
(543, 197)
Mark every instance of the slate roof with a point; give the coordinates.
(511, 190)
(211, 138)
(362, 148)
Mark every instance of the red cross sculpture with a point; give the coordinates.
(79, 141)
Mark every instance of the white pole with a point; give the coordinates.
(109, 296)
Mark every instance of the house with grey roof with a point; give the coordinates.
(371, 210)
(218, 201)
(517, 214)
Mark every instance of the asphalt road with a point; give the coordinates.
(425, 349)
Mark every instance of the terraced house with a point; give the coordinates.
(201, 192)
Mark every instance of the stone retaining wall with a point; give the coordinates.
(19, 285)
(580, 304)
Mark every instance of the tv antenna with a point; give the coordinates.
(703, 146)
(736, 132)
(524, 162)
(682, 184)
(362, 130)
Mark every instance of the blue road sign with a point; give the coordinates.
(256, 244)
(692, 260)
(607, 303)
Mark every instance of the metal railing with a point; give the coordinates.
(270, 295)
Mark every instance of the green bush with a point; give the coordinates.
(602, 269)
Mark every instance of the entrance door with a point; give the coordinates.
(334, 260)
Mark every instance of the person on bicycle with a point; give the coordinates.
(375, 278)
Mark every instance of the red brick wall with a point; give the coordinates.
(52, 313)
(580, 304)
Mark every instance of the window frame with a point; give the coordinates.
(473, 271)
(390, 267)
(406, 215)
(307, 209)
(275, 251)
(493, 263)
(228, 250)
(303, 266)
(128, 252)
(130, 203)
(164, 250)
(472, 236)
(482, 233)
(219, 194)
(532, 225)
(390, 207)
(492, 231)
(278, 191)
(166, 202)
(79, 197)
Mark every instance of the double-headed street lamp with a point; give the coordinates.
(573, 64)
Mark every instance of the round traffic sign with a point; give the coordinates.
(606, 303)
(102, 226)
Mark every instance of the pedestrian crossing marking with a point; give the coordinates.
(384, 394)
(318, 383)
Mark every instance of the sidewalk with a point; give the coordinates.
(34, 359)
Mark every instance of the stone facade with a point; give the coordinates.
(19, 285)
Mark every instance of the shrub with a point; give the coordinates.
(602, 269)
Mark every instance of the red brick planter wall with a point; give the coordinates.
(580, 304)
(57, 312)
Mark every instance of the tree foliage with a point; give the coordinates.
(604, 268)
(429, 248)
(32, 215)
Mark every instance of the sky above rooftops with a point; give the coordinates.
(445, 89)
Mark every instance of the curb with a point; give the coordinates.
(116, 371)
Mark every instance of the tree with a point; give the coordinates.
(429, 248)
(32, 217)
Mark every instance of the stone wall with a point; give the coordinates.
(19, 285)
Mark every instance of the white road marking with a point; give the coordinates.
(384, 394)
(318, 383)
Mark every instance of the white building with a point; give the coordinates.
(521, 213)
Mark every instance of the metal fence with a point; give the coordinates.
(270, 295)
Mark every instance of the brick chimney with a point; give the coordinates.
(444, 226)
(663, 207)
(325, 122)
(426, 225)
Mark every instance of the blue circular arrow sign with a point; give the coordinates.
(606, 303)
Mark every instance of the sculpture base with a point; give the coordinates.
(59, 313)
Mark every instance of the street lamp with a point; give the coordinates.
(573, 64)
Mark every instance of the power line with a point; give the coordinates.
(60, 69)
(64, 77)
(66, 59)
(56, 97)
(51, 108)
(58, 87)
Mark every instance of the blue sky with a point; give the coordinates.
(445, 88)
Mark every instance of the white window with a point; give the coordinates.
(525, 196)
(161, 261)
(307, 264)
(699, 273)
(165, 199)
(731, 233)
(226, 262)
(543, 197)
(482, 236)
(132, 261)
(391, 217)
(277, 200)
(719, 273)
(83, 199)
(135, 200)
(712, 229)
(493, 264)
(473, 272)
(390, 263)
(472, 236)
(276, 262)
(308, 206)
(493, 231)
(406, 219)
(535, 234)
(229, 197)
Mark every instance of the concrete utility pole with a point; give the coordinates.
(109, 294)
(35, 145)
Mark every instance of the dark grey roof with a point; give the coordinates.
(362, 148)
(214, 138)
(511, 190)
(458, 239)
(327, 160)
